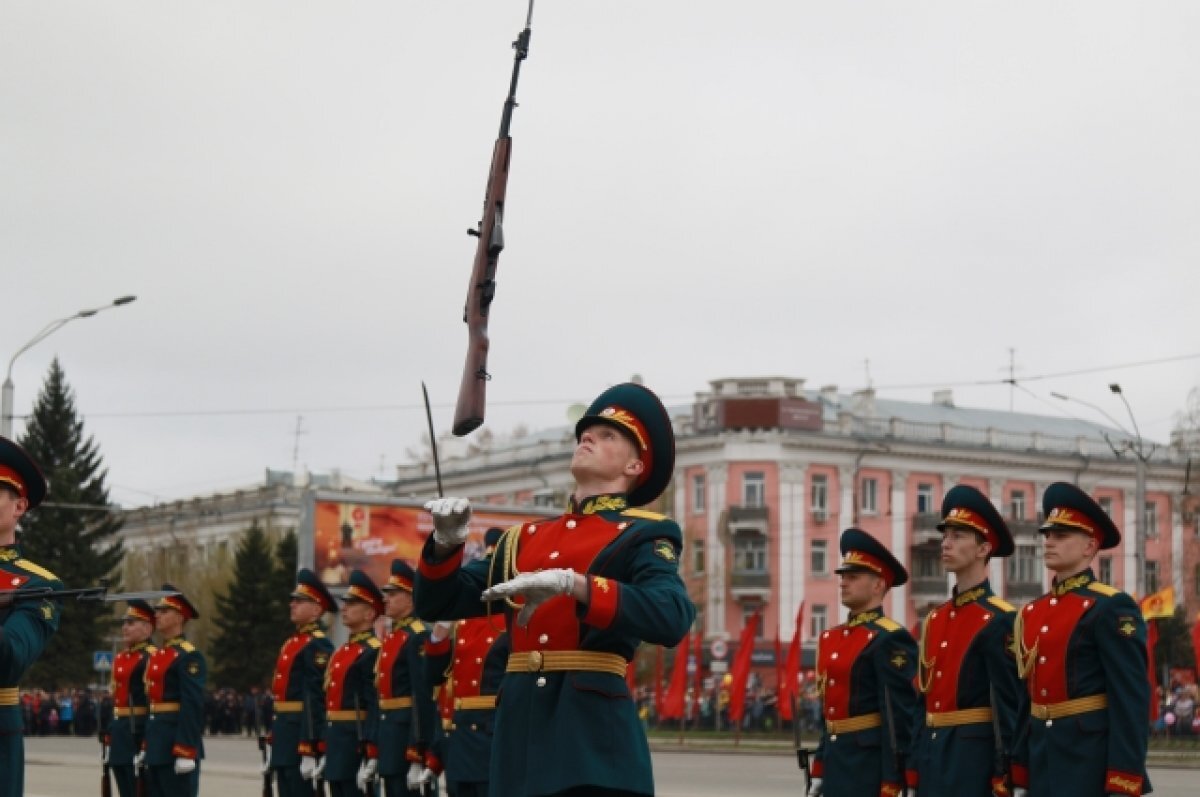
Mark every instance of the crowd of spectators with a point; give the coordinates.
(760, 709)
(1177, 714)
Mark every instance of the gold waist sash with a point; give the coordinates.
(476, 702)
(964, 716)
(1068, 708)
(388, 703)
(851, 724)
(563, 660)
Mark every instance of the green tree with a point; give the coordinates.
(284, 581)
(1174, 648)
(244, 647)
(73, 533)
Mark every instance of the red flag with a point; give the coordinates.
(696, 686)
(1196, 642)
(782, 695)
(791, 669)
(1151, 643)
(673, 700)
(739, 673)
(658, 683)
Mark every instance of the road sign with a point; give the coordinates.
(102, 660)
(719, 649)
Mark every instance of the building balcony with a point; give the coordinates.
(1022, 591)
(929, 588)
(924, 528)
(750, 584)
(1023, 528)
(743, 514)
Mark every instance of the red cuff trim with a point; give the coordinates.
(912, 777)
(889, 789)
(433, 764)
(413, 756)
(817, 768)
(1020, 776)
(321, 748)
(1123, 783)
(998, 786)
(183, 751)
(305, 748)
(438, 648)
(372, 750)
(603, 597)
(270, 737)
(436, 571)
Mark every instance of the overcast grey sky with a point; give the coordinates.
(698, 190)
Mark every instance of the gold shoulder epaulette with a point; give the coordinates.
(1001, 604)
(374, 643)
(150, 649)
(887, 624)
(643, 514)
(318, 634)
(187, 647)
(35, 569)
(417, 626)
(1103, 589)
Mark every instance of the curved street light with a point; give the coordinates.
(6, 410)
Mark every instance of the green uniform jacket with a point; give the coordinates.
(129, 693)
(25, 628)
(404, 734)
(557, 730)
(299, 695)
(350, 688)
(175, 674)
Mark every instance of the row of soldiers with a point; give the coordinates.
(1053, 699)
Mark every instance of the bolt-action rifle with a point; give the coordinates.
(99, 593)
(472, 391)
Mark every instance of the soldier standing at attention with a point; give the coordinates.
(406, 709)
(130, 707)
(175, 676)
(1081, 650)
(582, 590)
(967, 676)
(865, 669)
(351, 759)
(297, 691)
(25, 627)
(470, 655)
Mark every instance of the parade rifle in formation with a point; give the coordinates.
(99, 593)
(472, 392)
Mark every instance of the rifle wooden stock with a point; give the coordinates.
(472, 391)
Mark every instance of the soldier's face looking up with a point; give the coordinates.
(604, 456)
(399, 604)
(1067, 552)
(12, 507)
(135, 631)
(303, 611)
(962, 548)
(861, 591)
(169, 622)
(357, 615)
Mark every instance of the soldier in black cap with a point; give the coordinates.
(406, 710)
(967, 676)
(1081, 650)
(351, 761)
(175, 677)
(131, 710)
(581, 591)
(297, 689)
(865, 671)
(26, 626)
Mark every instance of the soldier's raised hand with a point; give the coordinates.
(536, 588)
(816, 788)
(450, 518)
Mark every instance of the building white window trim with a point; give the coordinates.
(754, 489)
(819, 496)
(698, 494)
(868, 499)
(818, 559)
(818, 621)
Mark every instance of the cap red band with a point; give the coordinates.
(876, 566)
(304, 590)
(358, 593)
(138, 613)
(961, 516)
(1073, 520)
(13, 479)
(400, 582)
(173, 602)
(629, 422)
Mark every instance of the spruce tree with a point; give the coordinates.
(245, 645)
(73, 533)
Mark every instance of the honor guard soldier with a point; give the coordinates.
(406, 709)
(175, 676)
(351, 759)
(581, 592)
(966, 674)
(865, 669)
(297, 689)
(470, 655)
(25, 626)
(131, 709)
(1081, 650)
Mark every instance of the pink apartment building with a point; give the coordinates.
(768, 474)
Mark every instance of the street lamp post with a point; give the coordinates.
(1141, 456)
(6, 401)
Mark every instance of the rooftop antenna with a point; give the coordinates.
(867, 369)
(300, 430)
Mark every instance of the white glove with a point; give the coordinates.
(104, 754)
(308, 767)
(366, 773)
(1019, 792)
(184, 766)
(266, 764)
(450, 517)
(816, 788)
(320, 770)
(537, 588)
(441, 630)
(139, 760)
(427, 776)
(415, 771)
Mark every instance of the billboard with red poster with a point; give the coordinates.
(354, 531)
